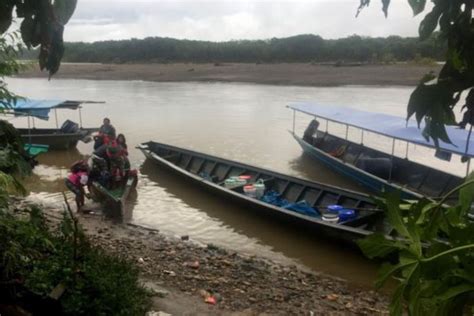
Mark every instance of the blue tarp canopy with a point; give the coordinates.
(39, 108)
(388, 125)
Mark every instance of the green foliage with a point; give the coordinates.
(434, 246)
(96, 283)
(13, 158)
(9, 51)
(42, 25)
(13, 162)
(301, 48)
(435, 102)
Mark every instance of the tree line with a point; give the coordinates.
(300, 48)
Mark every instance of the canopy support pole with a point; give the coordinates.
(56, 117)
(468, 167)
(347, 131)
(29, 130)
(33, 119)
(362, 138)
(467, 148)
(406, 151)
(391, 160)
(327, 125)
(80, 120)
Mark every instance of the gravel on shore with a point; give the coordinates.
(191, 279)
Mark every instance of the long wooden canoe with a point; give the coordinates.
(211, 172)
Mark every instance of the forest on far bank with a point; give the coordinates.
(300, 48)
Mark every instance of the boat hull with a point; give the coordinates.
(365, 179)
(346, 234)
(114, 205)
(54, 138)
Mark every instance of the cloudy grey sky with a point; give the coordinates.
(220, 20)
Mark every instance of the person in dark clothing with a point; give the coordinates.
(309, 133)
(122, 143)
(106, 134)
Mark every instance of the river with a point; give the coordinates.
(243, 122)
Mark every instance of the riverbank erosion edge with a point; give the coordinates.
(186, 278)
(300, 74)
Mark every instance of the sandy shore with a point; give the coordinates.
(181, 274)
(279, 74)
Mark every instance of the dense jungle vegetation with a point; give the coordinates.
(300, 48)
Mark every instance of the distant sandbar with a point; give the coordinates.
(277, 74)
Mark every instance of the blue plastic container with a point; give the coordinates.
(334, 208)
(346, 215)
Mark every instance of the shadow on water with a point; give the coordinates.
(48, 176)
(300, 244)
(130, 204)
(60, 158)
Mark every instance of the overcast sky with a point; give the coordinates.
(221, 20)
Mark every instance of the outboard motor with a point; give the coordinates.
(70, 127)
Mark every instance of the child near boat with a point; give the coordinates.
(76, 180)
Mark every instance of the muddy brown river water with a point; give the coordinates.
(242, 122)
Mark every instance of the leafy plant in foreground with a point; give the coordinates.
(434, 101)
(35, 259)
(435, 253)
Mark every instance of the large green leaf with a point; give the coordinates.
(64, 9)
(6, 11)
(385, 5)
(396, 303)
(417, 104)
(28, 29)
(378, 246)
(429, 23)
(454, 291)
(466, 194)
(388, 270)
(417, 6)
(394, 215)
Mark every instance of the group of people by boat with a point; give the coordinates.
(108, 166)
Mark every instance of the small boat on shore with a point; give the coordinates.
(314, 205)
(114, 199)
(65, 136)
(374, 169)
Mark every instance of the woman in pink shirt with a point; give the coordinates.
(76, 180)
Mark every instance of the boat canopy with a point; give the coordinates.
(40, 108)
(395, 127)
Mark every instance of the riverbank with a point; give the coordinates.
(183, 275)
(275, 74)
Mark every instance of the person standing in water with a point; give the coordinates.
(75, 182)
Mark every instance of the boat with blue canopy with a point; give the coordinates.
(61, 137)
(377, 170)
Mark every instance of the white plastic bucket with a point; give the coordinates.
(259, 188)
(250, 191)
(330, 218)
